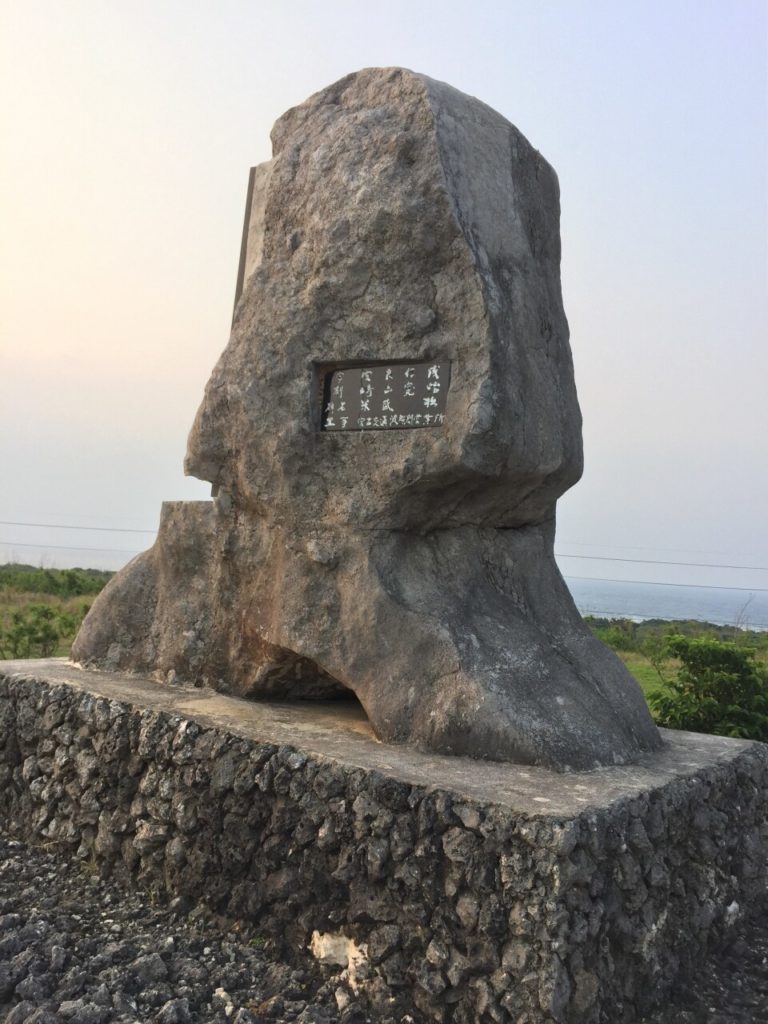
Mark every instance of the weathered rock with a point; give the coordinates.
(398, 220)
(556, 897)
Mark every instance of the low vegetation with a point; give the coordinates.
(695, 675)
(41, 609)
(719, 688)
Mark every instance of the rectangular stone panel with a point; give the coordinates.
(384, 396)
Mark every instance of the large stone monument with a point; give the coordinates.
(387, 434)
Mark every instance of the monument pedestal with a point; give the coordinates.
(469, 891)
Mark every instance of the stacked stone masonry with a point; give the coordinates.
(466, 911)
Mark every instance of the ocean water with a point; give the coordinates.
(745, 608)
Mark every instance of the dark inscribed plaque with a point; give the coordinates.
(385, 396)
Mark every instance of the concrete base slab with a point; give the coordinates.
(469, 890)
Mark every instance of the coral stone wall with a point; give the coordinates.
(458, 910)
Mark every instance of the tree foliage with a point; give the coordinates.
(719, 688)
(56, 582)
(41, 609)
(35, 631)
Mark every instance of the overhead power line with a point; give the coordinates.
(670, 618)
(654, 583)
(559, 554)
(654, 547)
(64, 547)
(653, 561)
(64, 526)
(585, 579)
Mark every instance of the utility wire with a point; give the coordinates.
(653, 583)
(655, 547)
(585, 579)
(591, 558)
(64, 547)
(644, 616)
(63, 526)
(653, 561)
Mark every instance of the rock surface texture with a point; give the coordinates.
(477, 901)
(399, 221)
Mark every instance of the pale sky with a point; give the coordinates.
(127, 132)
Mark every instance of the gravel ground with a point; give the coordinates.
(730, 988)
(78, 948)
(81, 949)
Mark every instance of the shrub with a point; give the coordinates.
(655, 648)
(618, 634)
(719, 689)
(36, 631)
(56, 582)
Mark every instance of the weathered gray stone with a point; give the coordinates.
(399, 220)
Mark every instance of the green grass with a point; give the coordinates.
(640, 645)
(59, 599)
(70, 612)
(644, 672)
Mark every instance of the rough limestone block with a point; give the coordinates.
(458, 891)
(399, 221)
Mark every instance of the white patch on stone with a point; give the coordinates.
(732, 912)
(224, 999)
(342, 998)
(339, 951)
(651, 934)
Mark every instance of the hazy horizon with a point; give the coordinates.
(128, 132)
